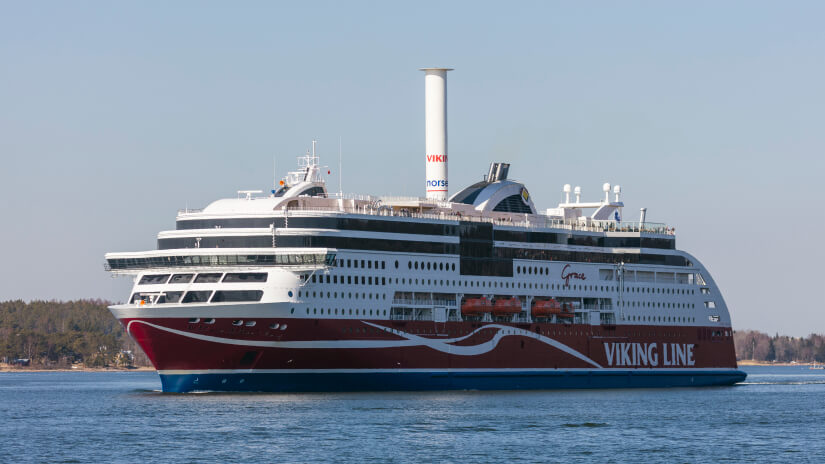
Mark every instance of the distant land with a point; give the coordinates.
(82, 334)
(65, 335)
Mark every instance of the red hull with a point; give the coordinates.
(176, 344)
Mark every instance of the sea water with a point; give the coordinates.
(777, 415)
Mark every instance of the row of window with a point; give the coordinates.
(661, 319)
(345, 312)
(401, 226)
(467, 248)
(207, 277)
(198, 296)
(655, 304)
(369, 280)
(308, 241)
(363, 295)
(350, 280)
(157, 262)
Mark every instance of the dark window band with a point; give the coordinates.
(237, 295)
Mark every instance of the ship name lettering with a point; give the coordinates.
(436, 158)
(566, 276)
(647, 354)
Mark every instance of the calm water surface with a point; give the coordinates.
(778, 415)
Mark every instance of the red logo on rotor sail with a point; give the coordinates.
(436, 158)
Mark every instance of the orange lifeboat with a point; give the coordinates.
(506, 306)
(545, 308)
(566, 310)
(476, 306)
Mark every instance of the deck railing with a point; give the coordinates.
(533, 221)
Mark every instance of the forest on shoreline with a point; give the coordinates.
(758, 346)
(60, 334)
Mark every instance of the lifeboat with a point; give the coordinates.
(545, 308)
(506, 306)
(476, 306)
(566, 310)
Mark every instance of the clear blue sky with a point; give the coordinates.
(710, 114)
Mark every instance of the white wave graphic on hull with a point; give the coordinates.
(410, 340)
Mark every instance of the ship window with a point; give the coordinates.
(170, 297)
(208, 278)
(153, 279)
(197, 297)
(181, 278)
(396, 264)
(237, 295)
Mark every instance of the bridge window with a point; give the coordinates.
(197, 296)
(153, 279)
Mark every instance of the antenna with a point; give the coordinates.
(340, 176)
(274, 176)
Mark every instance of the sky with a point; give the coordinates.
(114, 115)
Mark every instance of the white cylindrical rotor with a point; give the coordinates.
(435, 127)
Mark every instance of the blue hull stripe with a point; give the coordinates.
(411, 381)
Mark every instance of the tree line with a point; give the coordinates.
(57, 334)
(758, 346)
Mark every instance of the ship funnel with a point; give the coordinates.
(642, 216)
(498, 171)
(435, 126)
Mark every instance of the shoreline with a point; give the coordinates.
(748, 362)
(6, 369)
(80, 369)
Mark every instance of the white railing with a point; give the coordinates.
(372, 206)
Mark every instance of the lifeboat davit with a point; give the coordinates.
(506, 306)
(476, 306)
(545, 308)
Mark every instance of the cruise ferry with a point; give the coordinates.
(304, 289)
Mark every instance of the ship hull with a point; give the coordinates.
(295, 381)
(304, 355)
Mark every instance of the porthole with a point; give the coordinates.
(209, 321)
(237, 322)
(416, 264)
(396, 264)
(252, 323)
(283, 327)
(289, 293)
